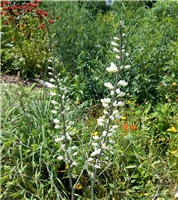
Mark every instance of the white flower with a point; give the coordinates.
(116, 50)
(115, 104)
(50, 68)
(74, 147)
(117, 116)
(127, 54)
(56, 121)
(60, 157)
(121, 94)
(115, 112)
(112, 68)
(112, 92)
(72, 133)
(118, 57)
(52, 80)
(74, 163)
(106, 100)
(100, 121)
(122, 83)
(57, 127)
(53, 94)
(118, 91)
(176, 195)
(54, 111)
(104, 133)
(54, 102)
(75, 153)
(127, 67)
(90, 160)
(120, 103)
(114, 44)
(96, 137)
(106, 112)
(50, 73)
(109, 2)
(94, 144)
(115, 38)
(109, 85)
(58, 139)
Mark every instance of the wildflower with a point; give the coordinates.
(57, 127)
(112, 68)
(127, 67)
(96, 137)
(176, 194)
(115, 38)
(53, 94)
(60, 157)
(174, 152)
(109, 85)
(122, 83)
(54, 111)
(100, 121)
(52, 80)
(133, 127)
(125, 127)
(116, 50)
(174, 84)
(56, 121)
(78, 186)
(95, 133)
(123, 118)
(117, 57)
(172, 129)
(114, 44)
(54, 102)
(120, 103)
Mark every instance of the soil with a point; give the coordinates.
(18, 80)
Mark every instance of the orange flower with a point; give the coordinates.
(125, 127)
(133, 127)
(78, 186)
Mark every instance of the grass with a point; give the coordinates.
(143, 163)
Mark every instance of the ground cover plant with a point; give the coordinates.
(107, 128)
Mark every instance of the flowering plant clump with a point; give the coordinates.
(24, 36)
(101, 142)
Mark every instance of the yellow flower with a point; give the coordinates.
(174, 152)
(66, 167)
(172, 129)
(78, 186)
(174, 84)
(95, 133)
(123, 118)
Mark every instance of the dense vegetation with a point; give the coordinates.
(48, 134)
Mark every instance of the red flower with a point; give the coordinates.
(5, 23)
(125, 127)
(51, 21)
(42, 26)
(44, 13)
(133, 127)
(34, 5)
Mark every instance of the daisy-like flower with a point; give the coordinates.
(112, 68)
(109, 86)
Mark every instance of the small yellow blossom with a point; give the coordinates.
(128, 102)
(78, 186)
(95, 133)
(66, 167)
(123, 118)
(174, 84)
(172, 129)
(174, 152)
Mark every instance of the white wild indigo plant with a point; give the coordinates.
(101, 143)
